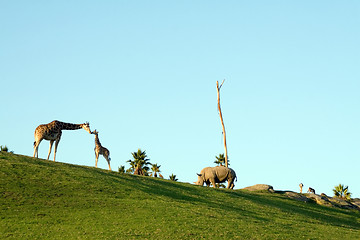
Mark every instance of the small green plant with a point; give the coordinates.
(4, 148)
(342, 192)
(172, 177)
(220, 185)
(121, 169)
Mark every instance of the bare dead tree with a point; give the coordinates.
(221, 119)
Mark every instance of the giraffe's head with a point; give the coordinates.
(86, 127)
(95, 132)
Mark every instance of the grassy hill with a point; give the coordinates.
(42, 199)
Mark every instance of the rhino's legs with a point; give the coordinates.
(213, 182)
(231, 184)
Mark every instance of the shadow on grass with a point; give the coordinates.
(206, 197)
(209, 197)
(183, 192)
(314, 211)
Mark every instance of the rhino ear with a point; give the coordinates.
(199, 175)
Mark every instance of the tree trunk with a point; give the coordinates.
(138, 171)
(221, 119)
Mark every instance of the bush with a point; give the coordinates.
(173, 177)
(4, 148)
(121, 169)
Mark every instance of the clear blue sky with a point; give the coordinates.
(144, 73)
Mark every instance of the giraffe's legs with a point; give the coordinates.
(96, 158)
(36, 148)
(56, 144)
(51, 143)
(108, 160)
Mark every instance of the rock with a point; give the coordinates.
(297, 196)
(260, 187)
(356, 202)
(343, 203)
(321, 200)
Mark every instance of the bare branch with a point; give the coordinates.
(222, 83)
(221, 120)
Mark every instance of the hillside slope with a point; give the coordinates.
(42, 199)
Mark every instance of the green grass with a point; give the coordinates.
(42, 199)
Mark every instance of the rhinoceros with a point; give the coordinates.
(218, 174)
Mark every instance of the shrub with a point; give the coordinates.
(173, 177)
(4, 148)
(121, 169)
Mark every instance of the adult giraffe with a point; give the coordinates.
(52, 132)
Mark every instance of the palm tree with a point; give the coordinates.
(155, 169)
(341, 191)
(172, 177)
(220, 160)
(131, 169)
(138, 166)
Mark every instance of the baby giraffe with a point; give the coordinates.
(100, 150)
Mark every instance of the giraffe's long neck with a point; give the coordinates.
(68, 126)
(97, 141)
